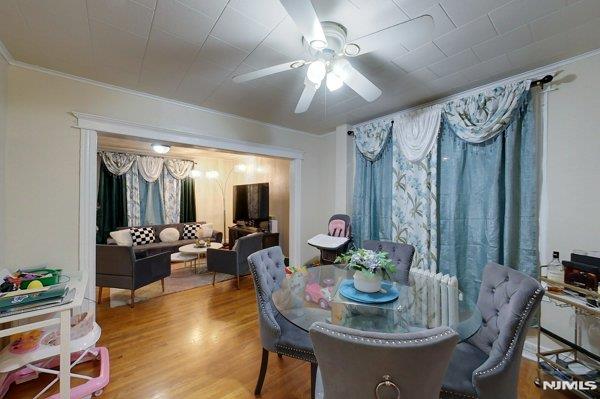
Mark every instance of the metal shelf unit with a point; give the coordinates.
(550, 364)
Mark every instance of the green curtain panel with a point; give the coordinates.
(488, 199)
(188, 200)
(112, 204)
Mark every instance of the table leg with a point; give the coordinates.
(65, 354)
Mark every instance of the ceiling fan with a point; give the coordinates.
(329, 50)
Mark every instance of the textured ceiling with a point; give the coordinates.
(188, 49)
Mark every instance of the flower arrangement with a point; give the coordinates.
(368, 262)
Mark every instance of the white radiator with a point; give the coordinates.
(439, 294)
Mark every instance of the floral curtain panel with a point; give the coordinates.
(414, 204)
(371, 138)
(481, 117)
(133, 197)
(171, 197)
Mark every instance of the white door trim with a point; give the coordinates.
(90, 125)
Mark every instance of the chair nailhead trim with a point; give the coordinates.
(384, 341)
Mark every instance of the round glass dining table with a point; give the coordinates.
(310, 295)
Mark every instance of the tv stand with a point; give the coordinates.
(268, 239)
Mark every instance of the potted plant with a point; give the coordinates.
(370, 268)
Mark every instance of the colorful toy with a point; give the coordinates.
(25, 342)
(35, 284)
(313, 292)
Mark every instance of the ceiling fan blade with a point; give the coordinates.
(357, 81)
(306, 97)
(411, 34)
(269, 71)
(305, 17)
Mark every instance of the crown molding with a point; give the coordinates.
(533, 73)
(12, 61)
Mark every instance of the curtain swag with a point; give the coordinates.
(178, 168)
(117, 163)
(371, 138)
(482, 116)
(415, 133)
(150, 168)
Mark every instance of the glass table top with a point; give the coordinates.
(313, 294)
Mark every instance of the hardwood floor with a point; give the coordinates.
(201, 343)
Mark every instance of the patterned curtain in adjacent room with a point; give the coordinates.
(488, 185)
(112, 203)
(372, 202)
(188, 200)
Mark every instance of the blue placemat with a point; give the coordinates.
(391, 293)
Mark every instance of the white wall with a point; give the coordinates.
(3, 102)
(574, 159)
(209, 200)
(42, 164)
(573, 175)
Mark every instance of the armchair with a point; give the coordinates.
(234, 261)
(487, 365)
(117, 267)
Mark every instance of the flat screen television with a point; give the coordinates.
(251, 202)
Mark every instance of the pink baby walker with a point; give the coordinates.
(84, 335)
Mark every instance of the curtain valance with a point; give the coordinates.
(371, 138)
(178, 168)
(117, 163)
(415, 133)
(482, 116)
(150, 168)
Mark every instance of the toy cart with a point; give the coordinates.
(65, 347)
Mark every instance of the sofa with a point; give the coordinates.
(157, 246)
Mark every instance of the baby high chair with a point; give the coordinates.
(337, 240)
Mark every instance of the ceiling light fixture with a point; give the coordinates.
(351, 50)
(334, 81)
(316, 71)
(318, 44)
(161, 148)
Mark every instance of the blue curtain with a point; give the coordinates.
(488, 208)
(372, 202)
(151, 206)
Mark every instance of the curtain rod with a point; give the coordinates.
(142, 153)
(534, 83)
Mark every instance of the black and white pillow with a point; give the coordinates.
(190, 231)
(142, 235)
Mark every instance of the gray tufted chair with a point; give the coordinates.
(487, 365)
(353, 363)
(401, 254)
(277, 334)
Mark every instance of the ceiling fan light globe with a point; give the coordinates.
(316, 71)
(334, 81)
(318, 44)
